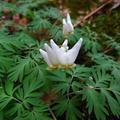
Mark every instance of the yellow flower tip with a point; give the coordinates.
(68, 66)
(72, 32)
(51, 67)
(61, 66)
(67, 35)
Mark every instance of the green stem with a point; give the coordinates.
(51, 112)
(69, 85)
(16, 99)
(108, 89)
(79, 92)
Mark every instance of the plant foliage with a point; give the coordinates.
(29, 90)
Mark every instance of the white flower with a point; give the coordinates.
(116, 3)
(56, 56)
(67, 26)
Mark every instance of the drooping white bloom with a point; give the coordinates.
(67, 25)
(56, 56)
(116, 3)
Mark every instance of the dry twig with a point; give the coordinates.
(91, 13)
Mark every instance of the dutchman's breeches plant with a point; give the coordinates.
(56, 56)
(68, 27)
(52, 70)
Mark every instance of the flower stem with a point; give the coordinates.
(51, 112)
(69, 85)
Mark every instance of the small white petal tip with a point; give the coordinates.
(81, 40)
(41, 50)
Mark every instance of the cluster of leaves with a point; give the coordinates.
(30, 91)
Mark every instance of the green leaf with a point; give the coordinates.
(80, 72)
(39, 24)
(9, 87)
(29, 93)
(69, 107)
(95, 101)
(112, 102)
(51, 12)
(37, 113)
(4, 99)
(23, 67)
(1, 115)
(60, 80)
(101, 78)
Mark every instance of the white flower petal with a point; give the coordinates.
(67, 29)
(55, 55)
(73, 53)
(62, 57)
(67, 25)
(68, 18)
(71, 27)
(56, 48)
(58, 52)
(51, 55)
(64, 22)
(64, 46)
(69, 22)
(53, 45)
(45, 56)
(65, 43)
